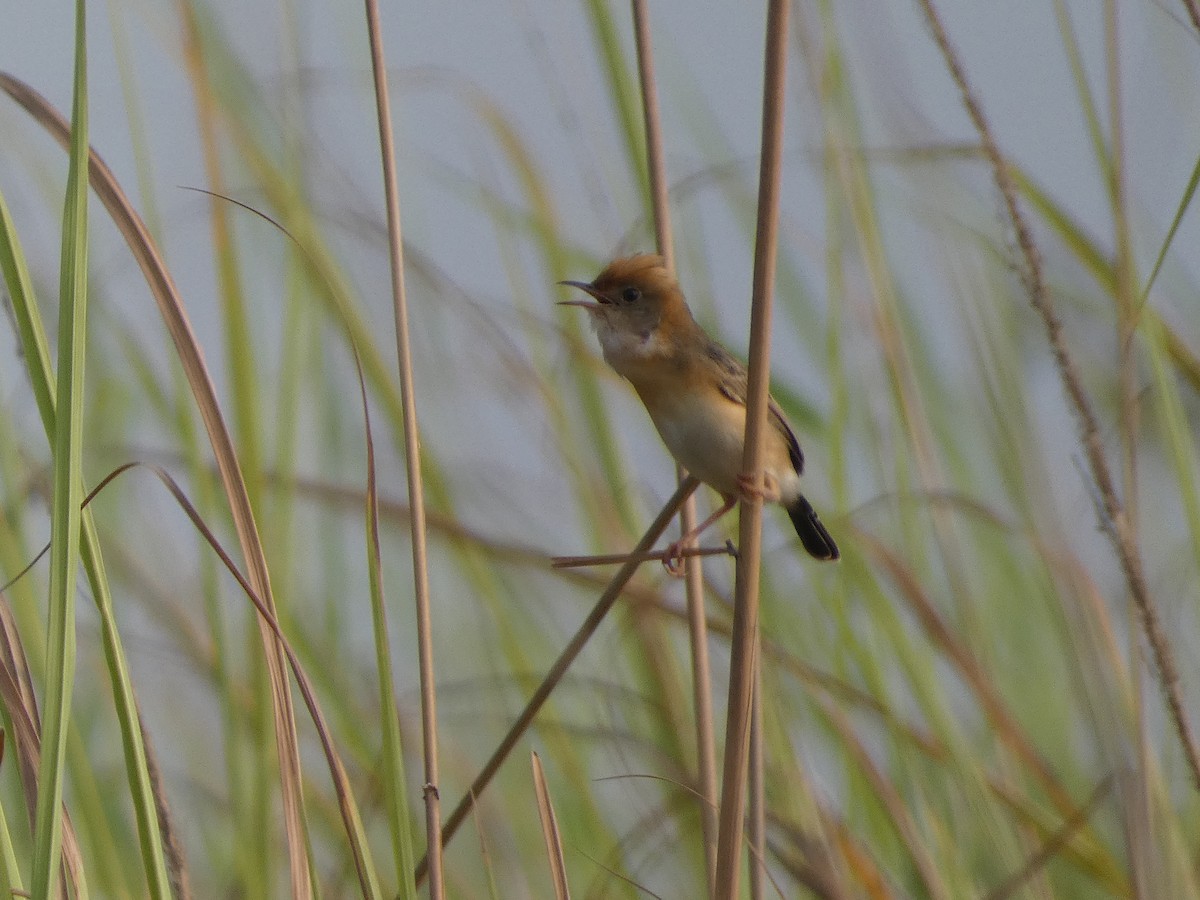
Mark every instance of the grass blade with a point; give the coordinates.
(68, 488)
(175, 317)
(554, 849)
(40, 372)
(1184, 202)
(396, 800)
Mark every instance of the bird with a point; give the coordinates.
(695, 392)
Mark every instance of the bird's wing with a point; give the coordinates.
(775, 416)
(732, 382)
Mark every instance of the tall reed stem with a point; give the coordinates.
(412, 456)
(706, 755)
(743, 660)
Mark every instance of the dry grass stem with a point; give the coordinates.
(706, 754)
(743, 660)
(1193, 11)
(652, 120)
(1113, 518)
(574, 562)
(756, 830)
(564, 661)
(1051, 848)
(412, 457)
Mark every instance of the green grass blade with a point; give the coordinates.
(29, 324)
(1177, 435)
(1184, 203)
(68, 488)
(622, 89)
(40, 372)
(396, 796)
(10, 870)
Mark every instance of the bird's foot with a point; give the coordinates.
(672, 559)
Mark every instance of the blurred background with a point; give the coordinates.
(939, 706)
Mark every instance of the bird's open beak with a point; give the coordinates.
(590, 291)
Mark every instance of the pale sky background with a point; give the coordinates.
(706, 54)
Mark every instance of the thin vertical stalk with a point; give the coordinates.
(652, 119)
(412, 453)
(706, 761)
(1128, 311)
(702, 701)
(758, 810)
(65, 517)
(1113, 516)
(743, 661)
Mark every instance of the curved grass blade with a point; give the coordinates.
(191, 358)
(17, 696)
(347, 805)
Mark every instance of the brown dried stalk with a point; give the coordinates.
(743, 656)
(412, 457)
(706, 753)
(1113, 520)
(564, 661)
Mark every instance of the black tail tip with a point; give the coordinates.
(813, 535)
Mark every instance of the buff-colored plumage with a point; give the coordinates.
(693, 389)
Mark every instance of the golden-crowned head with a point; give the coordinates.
(635, 293)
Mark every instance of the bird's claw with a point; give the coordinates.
(672, 560)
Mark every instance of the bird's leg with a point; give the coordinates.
(673, 555)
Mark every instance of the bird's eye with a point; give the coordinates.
(631, 295)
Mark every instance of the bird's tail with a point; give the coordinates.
(816, 540)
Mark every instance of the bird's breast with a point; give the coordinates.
(703, 430)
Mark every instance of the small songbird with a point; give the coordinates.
(695, 392)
